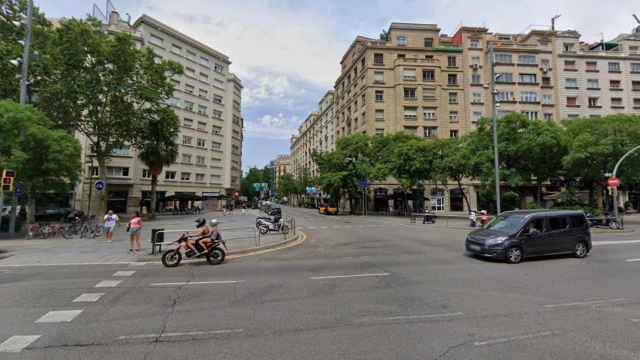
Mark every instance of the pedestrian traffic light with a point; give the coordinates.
(8, 177)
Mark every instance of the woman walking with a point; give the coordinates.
(110, 222)
(135, 229)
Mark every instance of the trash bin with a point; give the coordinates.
(157, 238)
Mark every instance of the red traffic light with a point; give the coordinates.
(7, 181)
(9, 173)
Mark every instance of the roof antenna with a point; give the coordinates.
(553, 22)
(637, 28)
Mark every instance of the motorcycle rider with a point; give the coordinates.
(214, 235)
(202, 233)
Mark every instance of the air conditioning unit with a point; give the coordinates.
(475, 66)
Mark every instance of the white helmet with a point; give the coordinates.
(213, 222)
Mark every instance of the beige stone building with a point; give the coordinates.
(207, 101)
(281, 166)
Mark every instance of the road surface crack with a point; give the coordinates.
(450, 349)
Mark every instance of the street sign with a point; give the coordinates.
(613, 181)
(363, 184)
(311, 190)
(260, 186)
(99, 185)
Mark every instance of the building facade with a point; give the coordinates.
(281, 167)
(207, 101)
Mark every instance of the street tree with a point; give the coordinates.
(411, 163)
(456, 161)
(46, 160)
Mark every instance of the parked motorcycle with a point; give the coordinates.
(215, 252)
(267, 225)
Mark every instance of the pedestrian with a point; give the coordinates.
(473, 218)
(110, 222)
(135, 228)
(484, 217)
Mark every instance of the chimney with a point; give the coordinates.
(114, 18)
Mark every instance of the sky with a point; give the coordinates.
(287, 52)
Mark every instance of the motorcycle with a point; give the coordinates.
(215, 252)
(267, 225)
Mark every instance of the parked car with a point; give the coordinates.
(516, 235)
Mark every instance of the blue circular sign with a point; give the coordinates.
(99, 185)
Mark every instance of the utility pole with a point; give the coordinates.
(24, 79)
(496, 163)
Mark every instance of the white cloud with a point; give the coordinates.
(276, 127)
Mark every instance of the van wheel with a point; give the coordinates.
(514, 255)
(581, 250)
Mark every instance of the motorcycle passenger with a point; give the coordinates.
(214, 235)
(202, 233)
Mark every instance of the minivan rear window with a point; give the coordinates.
(577, 221)
(557, 223)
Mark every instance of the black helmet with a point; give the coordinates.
(200, 222)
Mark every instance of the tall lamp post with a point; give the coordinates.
(615, 188)
(494, 121)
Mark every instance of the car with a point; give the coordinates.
(516, 235)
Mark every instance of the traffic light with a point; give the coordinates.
(8, 177)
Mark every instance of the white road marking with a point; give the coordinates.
(635, 320)
(141, 263)
(124, 273)
(17, 343)
(416, 317)
(89, 297)
(108, 283)
(585, 303)
(346, 276)
(615, 242)
(174, 334)
(70, 264)
(220, 282)
(513, 338)
(59, 316)
(632, 260)
(311, 227)
(324, 227)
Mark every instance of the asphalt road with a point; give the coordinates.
(358, 288)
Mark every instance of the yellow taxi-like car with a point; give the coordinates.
(331, 211)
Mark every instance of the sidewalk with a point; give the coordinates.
(240, 237)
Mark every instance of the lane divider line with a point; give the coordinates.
(88, 297)
(174, 334)
(347, 276)
(415, 317)
(514, 338)
(17, 343)
(59, 316)
(124, 273)
(219, 282)
(585, 303)
(614, 242)
(108, 283)
(632, 260)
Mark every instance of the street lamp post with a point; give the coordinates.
(615, 188)
(494, 121)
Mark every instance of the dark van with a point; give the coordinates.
(515, 235)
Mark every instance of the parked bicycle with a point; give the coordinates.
(45, 231)
(83, 228)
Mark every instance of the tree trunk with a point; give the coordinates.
(31, 208)
(154, 185)
(102, 195)
(464, 195)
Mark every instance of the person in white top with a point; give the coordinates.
(110, 221)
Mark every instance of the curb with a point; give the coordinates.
(298, 239)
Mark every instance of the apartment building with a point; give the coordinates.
(207, 101)
(598, 79)
(326, 125)
(281, 167)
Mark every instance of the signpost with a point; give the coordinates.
(364, 185)
(99, 185)
(613, 182)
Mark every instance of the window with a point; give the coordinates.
(428, 75)
(503, 58)
(378, 59)
(146, 174)
(593, 102)
(527, 59)
(546, 81)
(189, 89)
(636, 102)
(185, 176)
(474, 43)
(200, 143)
(191, 55)
(548, 116)
(218, 68)
(572, 101)
(378, 77)
(204, 61)
(477, 98)
(156, 40)
(504, 77)
(617, 102)
(635, 85)
(217, 99)
(505, 96)
(216, 145)
(380, 95)
(528, 96)
(203, 93)
(437, 200)
(547, 99)
(94, 171)
(614, 67)
(204, 77)
(573, 116)
(186, 158)
(476, 79)
(410, 113)
(633, 50)
(528, 78)
(570, 65)
(176, 49)
(187, 140)
(202, 126)
(202, 110)
(557, 223)
(379, 131)
(401, 40)
(592, 66)
(544, 64)
(452, 79)
(199, 177)
(216, 114)
(411, 130)
(453, 133)
(188, 105)
(568, 47)
(453, 116)
(475, 60)
(615, 84)
(571, 83)
(430, 132)
(429, 114)
(189, 72)
(187, 122)
(428, 94)
(170, 175)
(593, 84)
(452, 61)
(476, 116)
(199, 160)
(409, 74)
(379, 115)
(428, 42)
(453, 98)
(635, 68)
(409, 93)
(532, 115)
(116, 171)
